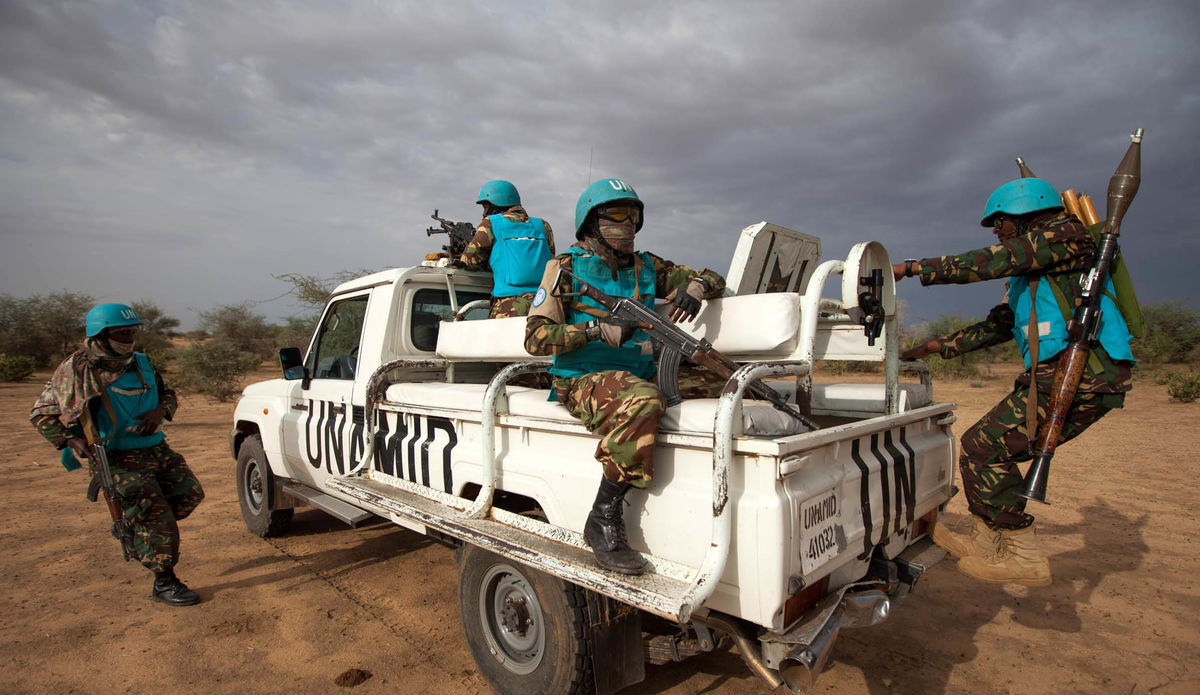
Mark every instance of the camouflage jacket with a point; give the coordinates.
(479, 249)
(1058, 249)
(80, 378)
(546, 330)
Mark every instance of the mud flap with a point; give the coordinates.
(618, 659)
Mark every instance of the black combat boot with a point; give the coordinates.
(605, 530)
(169, 590)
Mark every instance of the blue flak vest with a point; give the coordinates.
(1114, 336)
(134, 393)
(634, 282)
(519, 255)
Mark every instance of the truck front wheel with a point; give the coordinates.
(526, 630)
(256, 491)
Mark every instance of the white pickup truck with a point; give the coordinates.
(758, 532)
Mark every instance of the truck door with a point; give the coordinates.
(322, 430)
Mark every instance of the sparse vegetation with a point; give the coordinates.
(44, 328)
(15, 368)
(236, 326)
(1172, 335)
(1182, 387)
(312, 292)
(213, 367)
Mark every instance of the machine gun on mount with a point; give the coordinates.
(1084, 326)
(460, 234)
(678, 344)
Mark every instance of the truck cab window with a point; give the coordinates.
(335, 354)
(432, 306)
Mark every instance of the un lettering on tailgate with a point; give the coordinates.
(821, 533)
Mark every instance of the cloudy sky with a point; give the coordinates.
(185, 152)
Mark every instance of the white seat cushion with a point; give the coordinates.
(865, 398)
(753, 324)
(756, 325)
(486, 340)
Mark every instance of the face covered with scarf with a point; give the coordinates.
(120, 340)
(618, 223)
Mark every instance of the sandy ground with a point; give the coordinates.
(291, 614)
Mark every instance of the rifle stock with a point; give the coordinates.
(1122, 188)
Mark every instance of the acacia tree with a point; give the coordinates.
(44, 328)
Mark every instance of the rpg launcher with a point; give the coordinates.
(460, 234)
(677, 344)
(1081, 333)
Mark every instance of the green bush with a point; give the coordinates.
(1172, 334)
(238, 327)
(214, 368)
(45, 328)
(840, 367)
(1183, 387)
(15, 367)
(965, 367)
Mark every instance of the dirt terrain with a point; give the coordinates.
(292, 614)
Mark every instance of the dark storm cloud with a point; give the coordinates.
(230, 141)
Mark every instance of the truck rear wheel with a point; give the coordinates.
(256, 491)
(526, 630)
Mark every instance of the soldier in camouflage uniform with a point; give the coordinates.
(510, 244)
(127, 400)
(1043, 250)
(603, 366)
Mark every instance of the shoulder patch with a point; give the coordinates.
(539, 297)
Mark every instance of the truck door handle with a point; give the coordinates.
(300, 406)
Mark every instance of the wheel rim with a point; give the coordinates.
(512, 619)
(254, 485)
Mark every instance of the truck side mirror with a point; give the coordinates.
(293, 365)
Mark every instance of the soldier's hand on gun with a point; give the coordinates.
(150, 421)
(923, 350)
(898, 271)
(685, 303)
(612, 330)
(79, 447)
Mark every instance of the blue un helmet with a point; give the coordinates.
(601, 192)
(110, 316)
(1021, 197)
(500, 193)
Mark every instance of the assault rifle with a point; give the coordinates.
(102, 481)
(460, 234)
(677, 344)
(1081, 332)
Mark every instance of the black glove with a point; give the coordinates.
(610, 330)
(686, 302)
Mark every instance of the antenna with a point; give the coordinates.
(591, 150)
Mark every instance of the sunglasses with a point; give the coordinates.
(621, 214)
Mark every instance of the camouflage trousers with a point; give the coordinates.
(992, 448)
(625, 411)
(156, 489)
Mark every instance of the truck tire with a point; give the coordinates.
(528, 631)
(256, 491)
